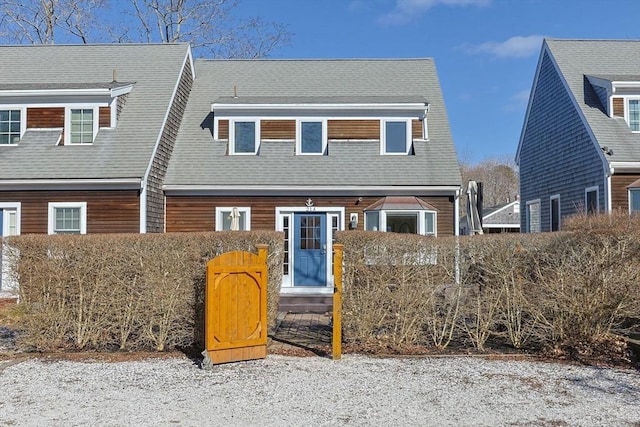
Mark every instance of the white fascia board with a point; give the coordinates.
(222, 108)
(67, 92)
(448, 190)
(629, 167)
(71, 184)
(501, 225)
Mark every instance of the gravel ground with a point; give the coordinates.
(313, 391)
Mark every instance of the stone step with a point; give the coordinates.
(306, 303)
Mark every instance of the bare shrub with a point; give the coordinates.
(127, 292)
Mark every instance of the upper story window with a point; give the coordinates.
(311, 137)
(244, 137)
(9, 126)
(633, 112)
(395, 136)
(82, 126)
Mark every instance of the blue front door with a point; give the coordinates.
(310, 250)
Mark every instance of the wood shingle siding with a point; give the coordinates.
(114, 211)
(619, 192)
(197, 213)
(104, 117)
(155, 196)
(555, 136)
(618, 107)
(275, 129)
(353, 129)
(416, 129)
(223, 129)
(45, 117)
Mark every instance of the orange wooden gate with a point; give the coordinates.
(236, 307)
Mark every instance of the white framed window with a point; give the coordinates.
(244, 137)
(10, 219)
(233, 218)
(592, 200)
(554, 213)
(80, 124)
(395, 136)
(634, 200)
(633, 114)
(533, 216)
(10, 126)
(67, 217)
(311, 137)
(411, 222)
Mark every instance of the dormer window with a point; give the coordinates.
(244, 137)
(633, 113)
(395, 136)
(311, 137)
(81, 126)
(9, 126)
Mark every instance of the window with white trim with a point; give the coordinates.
(634, 200)
(591, 200)
(233, 218)
(81, 126)
(10, 126)
(633, 114)
(555, 213)
(244, 136)
(68, 218)
(9, 219)
(395, 136)
(311, 137)
(411, 222)
(533, 216)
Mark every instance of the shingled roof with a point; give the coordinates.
(199, 160)
(614, 60)
(123, 152)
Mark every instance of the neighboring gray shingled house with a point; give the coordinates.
(503, 218)
(86, 133)
(309, 147)
(580, 144)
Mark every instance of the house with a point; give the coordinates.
(579, 149)
(86, 133)
(309, 147)
(502, 218)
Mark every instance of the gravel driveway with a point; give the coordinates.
(313, 391)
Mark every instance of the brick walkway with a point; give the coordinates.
(301, 333)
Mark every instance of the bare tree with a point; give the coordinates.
(499, 177)
(211, 26)
(42, 21)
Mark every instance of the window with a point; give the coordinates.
(81, 126)
(634, 200)
(243, 137)
(233, 219)
(395, 137)
(555, 213)
(412, 222)
(591, 202)
(9, 219)
(311, 137)
(533, 216)
(9, 126)
(634, 114)
(68, 218)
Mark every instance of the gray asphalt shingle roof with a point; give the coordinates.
(616, 60)
(198, 159)
(123, 152)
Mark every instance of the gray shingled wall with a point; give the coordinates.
(155, 195)
(556, 137)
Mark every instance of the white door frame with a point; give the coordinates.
(287, 212)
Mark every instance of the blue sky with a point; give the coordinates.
(485, 51)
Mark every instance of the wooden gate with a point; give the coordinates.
(236, 307)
